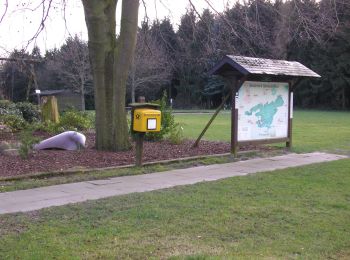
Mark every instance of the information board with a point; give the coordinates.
(262, 111)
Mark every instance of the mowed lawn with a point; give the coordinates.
(312, 130)
(298, 213)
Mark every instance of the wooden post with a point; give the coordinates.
(141, 99)
(38, 97)
(289, 143)
(139, 137)
(49, 109)
(211, 120)
(237, 84)
(234, 120)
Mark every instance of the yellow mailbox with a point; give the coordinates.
(146, 120)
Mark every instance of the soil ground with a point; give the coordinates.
(61, 160)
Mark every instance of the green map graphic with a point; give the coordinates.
(266, 112)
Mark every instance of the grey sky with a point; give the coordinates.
(23, 19)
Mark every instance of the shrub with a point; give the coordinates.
(48, 127)
(167, 121)
(29, 111)
(70, 121)
(75, 120)
(16, 116)
(15, 122)
(27, 141)
(176, 135)
(91, 116)
(9, 108)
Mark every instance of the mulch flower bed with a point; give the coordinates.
(60, 160)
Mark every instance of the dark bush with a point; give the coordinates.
(9, 108)
(48, 127)
(71, 120)
(15, 122)
(75, 120)
(29, 111)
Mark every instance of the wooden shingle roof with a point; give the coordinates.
(258, 67)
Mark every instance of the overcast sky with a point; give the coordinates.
(22, 20)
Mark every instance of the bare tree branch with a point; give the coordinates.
(45, 14)
(5, 11)
(231, 27)
(64, 2)
(195, 9)
(146, 18)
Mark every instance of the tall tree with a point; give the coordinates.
(48, 75)
(110, 59)
(163, 32)
(73, 66)
(151, 67)
(185, 53)
(18, 75)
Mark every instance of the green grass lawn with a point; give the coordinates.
(312, 130)
(300, 213)
(297, 213)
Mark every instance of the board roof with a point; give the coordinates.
(257, 66)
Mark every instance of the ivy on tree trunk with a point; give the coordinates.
(111, 59)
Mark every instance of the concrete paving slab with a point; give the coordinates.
(105, 182)
(57, 195)
(31, 195)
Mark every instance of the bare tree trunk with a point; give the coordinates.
(29, 86)
(82, 95)
(133, 100)
(32, 79)
(343, 99)
(111, 60)
(12, 81)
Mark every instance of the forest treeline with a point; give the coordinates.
(176, 58)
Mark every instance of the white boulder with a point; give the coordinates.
(69, 140)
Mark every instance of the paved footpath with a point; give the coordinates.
(38, 198)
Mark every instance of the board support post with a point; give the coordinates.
(211, 120)
(289, 143)
(236, 85)
(139, 137)
(234, 119)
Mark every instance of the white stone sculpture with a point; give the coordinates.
(69, 140)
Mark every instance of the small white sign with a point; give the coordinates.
(37, 91)
(237, 101)
(151, 124)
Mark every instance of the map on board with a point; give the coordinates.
(262, 110)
